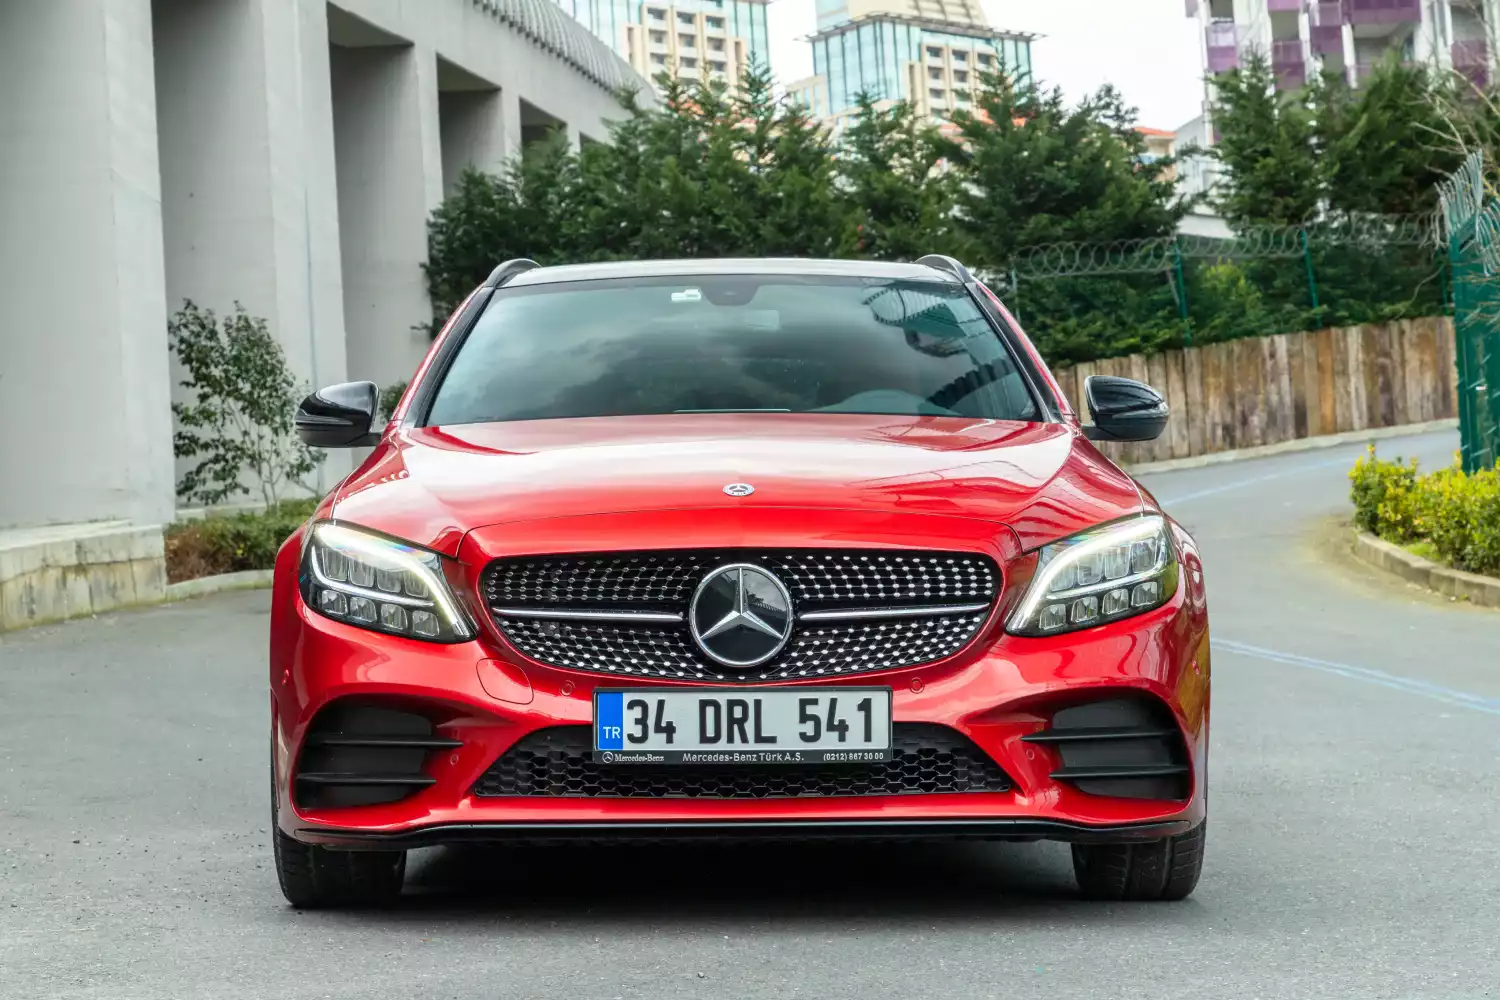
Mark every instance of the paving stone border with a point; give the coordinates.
(250, 579)
(1472, 587)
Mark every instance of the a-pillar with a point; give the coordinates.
(390, 178)
(84, 384)
(249, 187)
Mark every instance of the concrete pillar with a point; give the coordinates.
(84, 385)
(248, 179)
(510, 119)
(473, 129)
(390, 178)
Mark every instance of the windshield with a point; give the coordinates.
(776, 343)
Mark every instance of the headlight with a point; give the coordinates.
(377, 583)
(1099, 576)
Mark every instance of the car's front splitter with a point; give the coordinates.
(972, 828)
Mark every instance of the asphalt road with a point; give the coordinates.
(1354, 849)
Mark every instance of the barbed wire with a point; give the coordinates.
(1157, 254)
(1461, 195)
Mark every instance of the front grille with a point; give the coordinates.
(818, 580)
(559, 763)
(667, 651)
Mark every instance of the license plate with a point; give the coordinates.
(742, 726)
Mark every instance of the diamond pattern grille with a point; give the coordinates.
(558, 763)
(817, 579)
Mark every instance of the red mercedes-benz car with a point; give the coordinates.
(737, 549)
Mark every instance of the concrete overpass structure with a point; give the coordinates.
(280, 153)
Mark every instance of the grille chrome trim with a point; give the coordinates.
(564, 614)
(935, 611)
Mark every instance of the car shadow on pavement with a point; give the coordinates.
(812, 882)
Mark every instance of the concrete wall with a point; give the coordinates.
(83, 356)
(156, 151)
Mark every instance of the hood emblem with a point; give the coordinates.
(739, 489)
(741, 615)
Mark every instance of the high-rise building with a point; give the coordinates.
(1302, 38)
(694, 40)
(1350, 37)
(929, 53)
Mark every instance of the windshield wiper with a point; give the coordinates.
(738, 409)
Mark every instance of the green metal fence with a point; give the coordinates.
(1471, 216)
(1154, 294)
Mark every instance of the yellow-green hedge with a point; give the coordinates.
(1458, 514)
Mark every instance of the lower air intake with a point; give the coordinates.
(360, 755)
(1128, 748)
(559, 763)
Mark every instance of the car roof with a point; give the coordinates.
(730, 266)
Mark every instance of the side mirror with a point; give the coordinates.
(1124, 409)
(339, 416)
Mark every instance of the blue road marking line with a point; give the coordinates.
(1394, 682)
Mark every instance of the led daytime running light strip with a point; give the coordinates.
(391, 555)
(1038, 592)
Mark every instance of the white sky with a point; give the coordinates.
(1149, 49)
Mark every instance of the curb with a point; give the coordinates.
(250, 579)
(1292, 447)
(1483, 591)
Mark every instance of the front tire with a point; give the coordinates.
(314, 877)
(1165, 869)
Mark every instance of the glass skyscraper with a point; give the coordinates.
(693, 39)
(930, 53)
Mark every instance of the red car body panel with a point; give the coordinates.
(484, 491)
(431, 485)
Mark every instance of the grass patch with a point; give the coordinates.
(230, 543)
(1425, 549)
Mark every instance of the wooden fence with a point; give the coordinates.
(1256, 391)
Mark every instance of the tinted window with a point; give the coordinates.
(692, 344)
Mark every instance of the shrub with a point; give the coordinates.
(229, 543)
(238, 423)
(1382, 495)
(1457, 514)
(1461, 517)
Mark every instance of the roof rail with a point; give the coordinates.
(945, 263)
(500, 275)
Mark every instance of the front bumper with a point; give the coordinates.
(486, 697)
(648, 831)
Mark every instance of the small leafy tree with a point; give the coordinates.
(239, 421)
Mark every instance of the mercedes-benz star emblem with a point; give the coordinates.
(741, 615)
(739, 489)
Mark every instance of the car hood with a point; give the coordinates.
(433, 485)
